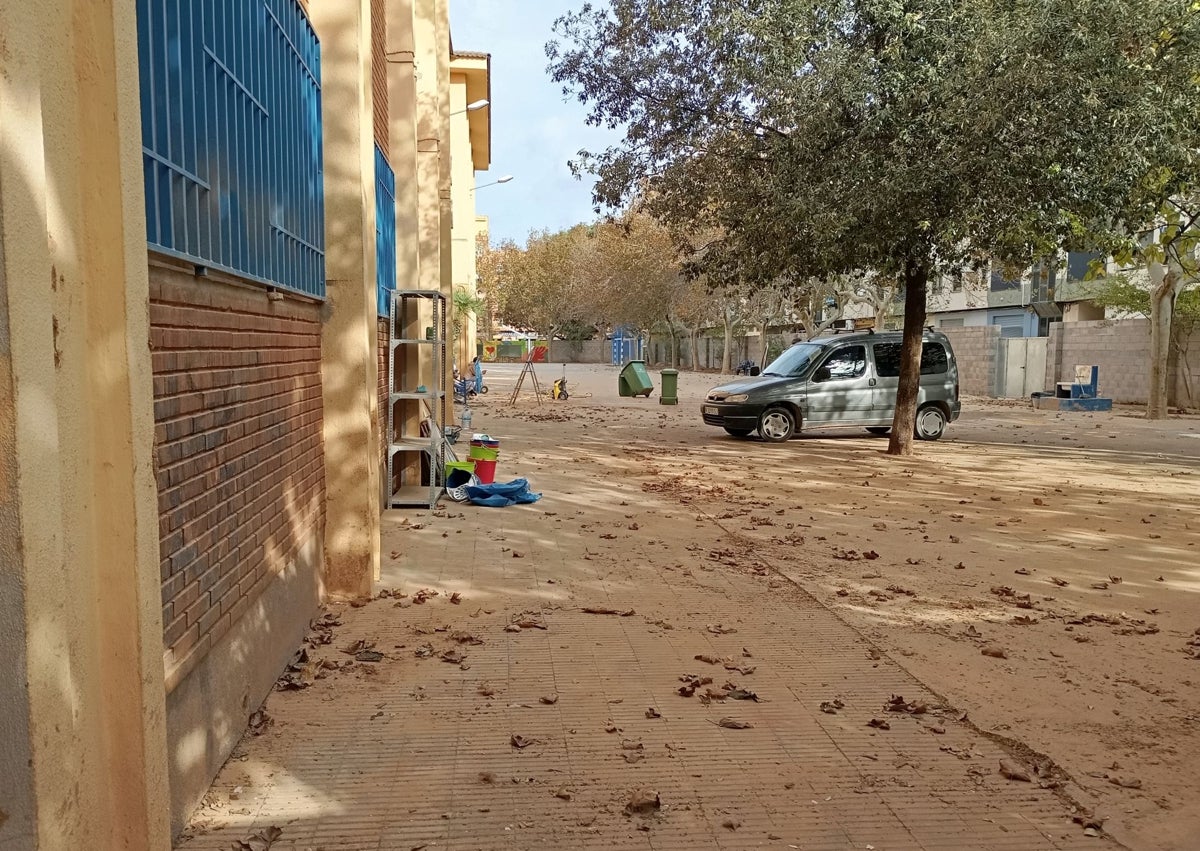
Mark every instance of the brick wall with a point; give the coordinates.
(976, 348)
(238, 449)
(379, 75)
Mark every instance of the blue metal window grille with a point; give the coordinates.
(385, 231)
(231, 138)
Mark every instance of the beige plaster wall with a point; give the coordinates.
(405, 159)
(349, 328)
(463, 224)
(79, 535)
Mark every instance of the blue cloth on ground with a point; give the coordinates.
(502, 494)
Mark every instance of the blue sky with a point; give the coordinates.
(534, 132)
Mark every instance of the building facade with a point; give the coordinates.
(201, 219)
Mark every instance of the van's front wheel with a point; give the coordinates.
(777, 425)
(931, 422)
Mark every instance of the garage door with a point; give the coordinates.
(1011, 325)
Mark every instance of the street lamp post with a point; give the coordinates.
(474, 106)
(504, 179)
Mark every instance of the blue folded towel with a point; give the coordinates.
(502, 494)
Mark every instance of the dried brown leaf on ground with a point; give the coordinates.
(301, 673)
(691, 683)
(563, 794)
(643, 802)
(879, 724)
(651, 712)
(456, 598)
(734, 724)
(368, 656)
(744, 670)
(549, 699)
(738, 693)
(453, 657)
(464, 637)
(424, 651)
(522, 742)
(712, 660)
(720, 629)
(596, 610)
(995, 651)
(260, 841)
(259, 722)
(898, 704)
(831, 707)
(1014, 771)
(1061, 583)
(1125, 782)
(357, 646)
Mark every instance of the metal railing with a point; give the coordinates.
(231, 138)
(385, 232)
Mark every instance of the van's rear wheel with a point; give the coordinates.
(881, 431)
(931, 422)
(777, 425)
(739, 432)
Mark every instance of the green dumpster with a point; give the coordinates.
(635, 380)
(670, 387)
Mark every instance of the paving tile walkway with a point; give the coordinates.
(414, 752)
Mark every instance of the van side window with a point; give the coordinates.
(934, 360)
(887, 360)
(850, 362)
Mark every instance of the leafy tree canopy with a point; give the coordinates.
(902, 136)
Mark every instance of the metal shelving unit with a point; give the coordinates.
(417, 398)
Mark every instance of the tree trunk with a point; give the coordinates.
(766, 347)
(727, 351)
(916, 281)
(694, 337)
(648, 354)
(674, 345)
(1162, 309)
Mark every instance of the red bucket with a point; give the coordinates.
(485, 471)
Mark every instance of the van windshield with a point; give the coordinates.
(794, 360)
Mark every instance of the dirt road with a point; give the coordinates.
(1069, 542)
(889, 629)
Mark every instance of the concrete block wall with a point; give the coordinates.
(1121, 348)
(977, 350)
(588, 351)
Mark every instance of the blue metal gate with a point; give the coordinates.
(626, 346)
(231, 138)
(385, 231)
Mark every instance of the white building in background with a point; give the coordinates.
(1021, 307)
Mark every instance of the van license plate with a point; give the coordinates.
(712, 411)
